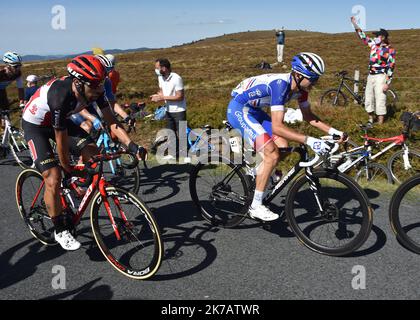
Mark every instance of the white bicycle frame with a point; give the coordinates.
(8, 135)
(368, 154)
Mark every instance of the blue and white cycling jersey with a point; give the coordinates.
(268, 90)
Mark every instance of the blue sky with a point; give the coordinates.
(125, 24)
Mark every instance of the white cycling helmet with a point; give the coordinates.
(105, 61)
(111, 58)
(12, 58)
(308, 64)
(32, 78)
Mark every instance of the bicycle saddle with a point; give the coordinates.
(228, 125)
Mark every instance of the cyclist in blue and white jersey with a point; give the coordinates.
(266, 134)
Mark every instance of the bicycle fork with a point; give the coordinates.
(315, 186)
(102, 185)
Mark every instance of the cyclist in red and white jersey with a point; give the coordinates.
(46, 116)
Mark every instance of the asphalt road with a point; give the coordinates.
(245, 263)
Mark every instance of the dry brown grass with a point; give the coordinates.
(212, 67)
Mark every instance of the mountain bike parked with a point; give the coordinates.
(13, 142)
(401, 165)
(125, 230)
(404, 214)
(337, 98)
(328, 212)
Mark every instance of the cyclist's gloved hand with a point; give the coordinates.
(139, 151)
(344, 137)
(130, 120)
(97, 124)
(319, 146)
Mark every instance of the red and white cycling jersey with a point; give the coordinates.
(37, 110)
(54, 103)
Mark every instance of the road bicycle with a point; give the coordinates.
(124, 228)
(401, 164)
(121, 172)
(327, 210)
(336, 97)
(404, 213)
(13, 142)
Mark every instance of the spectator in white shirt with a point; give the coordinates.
(171, 92)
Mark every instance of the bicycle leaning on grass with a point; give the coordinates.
(336, 97)
(401, 165)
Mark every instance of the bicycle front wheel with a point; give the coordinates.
(127, 233)
(122, 174)
(221, 191)
(19, 149)
(396, 165)
(373, 173)
(404, 214)
(336, 220)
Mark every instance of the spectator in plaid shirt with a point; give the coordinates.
(381, 71)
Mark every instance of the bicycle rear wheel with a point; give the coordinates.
(220, 191)
(345, 222)
(30, 202)
(404, 214)
(334, 98)
(397, 166)
(137, 250)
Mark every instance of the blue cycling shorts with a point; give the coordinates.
(254, 124)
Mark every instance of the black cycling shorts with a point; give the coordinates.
(4, 102)
(38, 139)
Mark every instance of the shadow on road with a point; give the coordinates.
(162, 182)
(27, 265)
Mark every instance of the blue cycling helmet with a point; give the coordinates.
(12, 58)
(309, 65)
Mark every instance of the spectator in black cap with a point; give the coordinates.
(381, 71)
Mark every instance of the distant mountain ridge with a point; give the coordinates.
(34, 58)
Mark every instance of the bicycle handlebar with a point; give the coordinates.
(315, 160)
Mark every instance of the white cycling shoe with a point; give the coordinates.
(67, 241)
(263, 213)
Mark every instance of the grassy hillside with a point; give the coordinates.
(212, 67)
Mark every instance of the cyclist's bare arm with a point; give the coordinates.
(115, 126)
(281, 130)
(119, 110)
(314, 120)
(62, 141)
(87, 115)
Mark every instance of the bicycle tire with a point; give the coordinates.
(209, 209)
(129, 182)
(330, 95)
(397, 177)
(20, 151)
(39, 214)
(128, 230)
(374, 168)
(351, 186)
(395, 214)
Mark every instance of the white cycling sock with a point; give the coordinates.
(258, 198)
